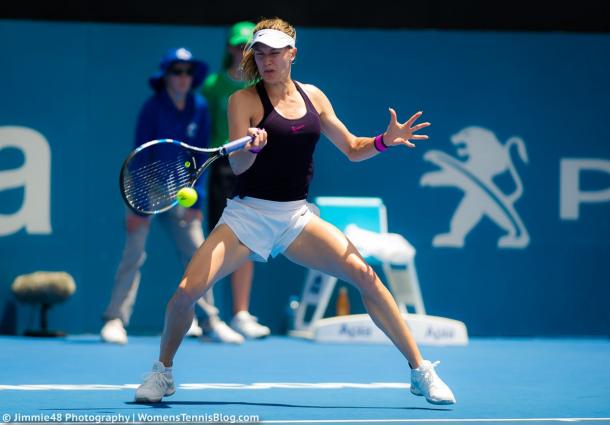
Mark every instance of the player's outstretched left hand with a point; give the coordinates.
(402, 134)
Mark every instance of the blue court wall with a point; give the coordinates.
(507, 204)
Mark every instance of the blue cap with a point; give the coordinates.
(180, 54)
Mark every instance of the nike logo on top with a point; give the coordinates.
(297, 128)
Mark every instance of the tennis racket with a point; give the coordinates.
(154, 172)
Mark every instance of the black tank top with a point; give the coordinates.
(283, 169)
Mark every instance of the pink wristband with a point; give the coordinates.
(379, 145)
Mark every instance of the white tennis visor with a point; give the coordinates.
(272, 38)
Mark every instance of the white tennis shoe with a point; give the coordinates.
(114, 332)
(425, 382)
(247, 325)
(195, 330)
(219, 331)
(157, 384)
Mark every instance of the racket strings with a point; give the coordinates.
(152, 181)
(157, 188)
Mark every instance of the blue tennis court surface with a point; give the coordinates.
(285, 380)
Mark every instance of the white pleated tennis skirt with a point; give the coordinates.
(266, 227)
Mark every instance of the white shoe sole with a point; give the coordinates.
(149, 400)
(253, 335)
(429, 400)
(207, 338)
(257, 336)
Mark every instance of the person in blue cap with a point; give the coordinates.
(174, 111)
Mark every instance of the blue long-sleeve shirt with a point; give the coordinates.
(160, 119)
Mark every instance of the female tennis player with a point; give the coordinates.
(269, 214)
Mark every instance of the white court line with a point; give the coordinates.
(212, 386)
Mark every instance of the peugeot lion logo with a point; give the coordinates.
(484, 157)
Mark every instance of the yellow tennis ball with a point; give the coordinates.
(187, 196)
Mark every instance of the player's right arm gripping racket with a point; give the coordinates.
(154, 172)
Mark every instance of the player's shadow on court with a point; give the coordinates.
(169, 404)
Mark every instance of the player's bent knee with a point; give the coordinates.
(183, 299)
(364, 277)
(193, 284)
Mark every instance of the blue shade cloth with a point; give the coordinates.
(513, 84)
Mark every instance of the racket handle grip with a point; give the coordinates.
(235, 145)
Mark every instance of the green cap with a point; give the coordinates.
(240, 33)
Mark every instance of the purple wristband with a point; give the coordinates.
(255, 150)
(379, 145)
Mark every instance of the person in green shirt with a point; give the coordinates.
(217, 88)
